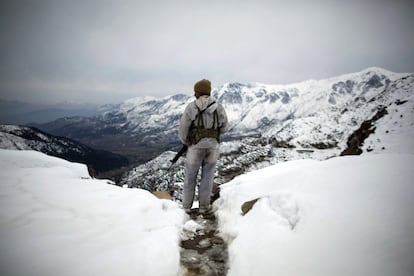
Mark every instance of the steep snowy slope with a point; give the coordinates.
(394, 132)
(27, 138)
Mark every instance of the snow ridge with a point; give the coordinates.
(314, 111)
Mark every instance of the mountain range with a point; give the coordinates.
(268, 123)
(313, 114)
(272, 124)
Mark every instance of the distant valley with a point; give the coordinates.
(28, 138)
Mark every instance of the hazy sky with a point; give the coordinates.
(109, 51)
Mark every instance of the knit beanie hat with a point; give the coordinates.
(203, 87)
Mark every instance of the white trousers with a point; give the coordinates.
(196, 158)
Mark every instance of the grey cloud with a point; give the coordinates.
(113, 50)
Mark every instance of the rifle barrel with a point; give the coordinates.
(178, 155)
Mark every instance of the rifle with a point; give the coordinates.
(178, 155)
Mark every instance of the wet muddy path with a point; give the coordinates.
(203, 251)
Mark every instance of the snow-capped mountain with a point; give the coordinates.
(27, 138)
(314, 113)
(314, 119)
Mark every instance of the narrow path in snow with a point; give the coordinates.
(203, 251)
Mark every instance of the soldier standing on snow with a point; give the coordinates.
(200, 127)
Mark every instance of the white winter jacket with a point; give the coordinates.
(190, 114)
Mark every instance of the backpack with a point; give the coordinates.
(198, 131)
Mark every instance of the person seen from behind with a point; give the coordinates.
(201, 125)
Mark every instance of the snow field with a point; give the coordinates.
(56, 220)
(343, 216)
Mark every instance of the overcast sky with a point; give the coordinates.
(109, 51)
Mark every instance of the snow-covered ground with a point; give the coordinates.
(56, 220)
(394, 132)
(343, 216)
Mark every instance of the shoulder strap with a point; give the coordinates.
(200, 112)
(216, 120)
(206, 107)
